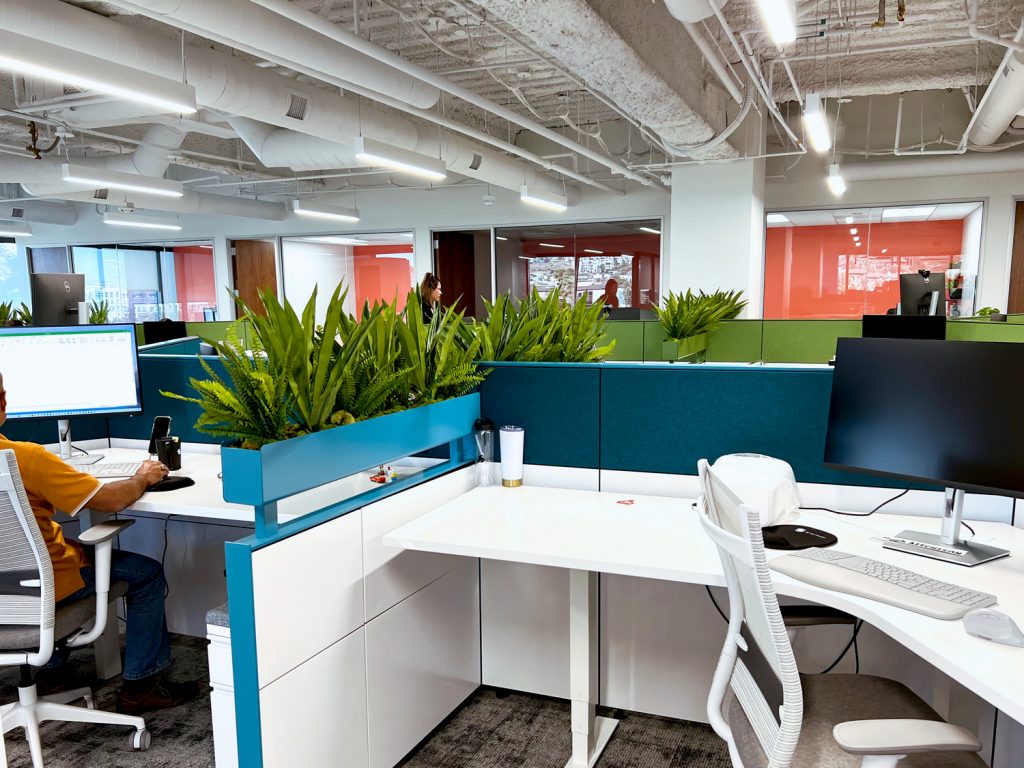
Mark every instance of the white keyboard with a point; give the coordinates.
(875, 580)
(111, 469)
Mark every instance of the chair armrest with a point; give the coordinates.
(903, 737)
(104, 531)
(814, 615)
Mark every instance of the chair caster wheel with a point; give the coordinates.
(89, 703)
(140, 740)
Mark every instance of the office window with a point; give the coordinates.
(844, 263)
(581, 260)
(53, 260)
(373, 267)
(149, 281)
(14, 287)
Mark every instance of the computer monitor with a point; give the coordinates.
(942, 412)
(154, 331)
(903, 327)
(76, 370)
(923, 293)
(55, 298)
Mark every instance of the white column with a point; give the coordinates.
(717, 236)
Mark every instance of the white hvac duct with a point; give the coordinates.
(280, 148)
(40, 212)
(1005, 98)
(90, 33)
(959, 165)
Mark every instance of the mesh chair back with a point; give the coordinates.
(757, 661)
(26, 574)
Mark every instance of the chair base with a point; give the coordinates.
(30, 710)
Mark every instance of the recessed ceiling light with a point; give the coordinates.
(853, 231)
(849, 219)
(337, 240)
(499, 237)
(777, 218)
(551, 245)
(885, 250)
(591, 250)
(913, 212)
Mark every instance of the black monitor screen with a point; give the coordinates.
(946, 412)
(163, 330)
(903, 327)
(55, 298)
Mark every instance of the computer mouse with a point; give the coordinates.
(990, 624)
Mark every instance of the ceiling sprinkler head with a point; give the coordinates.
(128, 208)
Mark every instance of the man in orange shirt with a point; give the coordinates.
(51, 485)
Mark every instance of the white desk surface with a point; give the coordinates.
(661, 538)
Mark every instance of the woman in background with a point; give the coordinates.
(611, 294)
(430, 296)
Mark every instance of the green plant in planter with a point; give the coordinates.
(24, 314)
(252, 407)
(986, 311)
(688, 318)
(99, 312)
(7, 313)
(441, 365)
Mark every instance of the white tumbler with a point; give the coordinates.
(83, 313)
(511, 439)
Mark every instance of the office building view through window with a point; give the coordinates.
(847, 262)
(140, 282)
(14, 288)
(621, 260)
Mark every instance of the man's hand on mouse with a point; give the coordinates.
(152, 471)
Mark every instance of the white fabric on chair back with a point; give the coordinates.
(757, 660)
(26, 573)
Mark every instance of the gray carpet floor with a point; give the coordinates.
(490, 730)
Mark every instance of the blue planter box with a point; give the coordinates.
(282, 469)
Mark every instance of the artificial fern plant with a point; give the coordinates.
(686, 315)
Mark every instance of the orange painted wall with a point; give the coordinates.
(382, 279)
(818, 272)
(194, 280)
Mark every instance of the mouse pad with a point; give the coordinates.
(796, 537)
(171, 483)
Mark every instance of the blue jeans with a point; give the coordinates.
(147, 645)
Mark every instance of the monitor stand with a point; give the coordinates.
(948, 546)
(66, 450)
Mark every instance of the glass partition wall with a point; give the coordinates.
(846, 262)
(582, 260)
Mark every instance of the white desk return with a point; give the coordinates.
(657, 537)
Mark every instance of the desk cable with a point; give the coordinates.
(899, 495)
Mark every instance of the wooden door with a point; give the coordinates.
(454, 265)
(1016, 300)
(255, 268)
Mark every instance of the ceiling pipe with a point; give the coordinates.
(326, 28)
(1003, 98)
(229, 21)
(234, 87)
(689, 12)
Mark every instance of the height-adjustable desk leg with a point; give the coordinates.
(590, 734)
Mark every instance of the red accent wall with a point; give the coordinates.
(818, 272)
(383, 279)
(194, 280)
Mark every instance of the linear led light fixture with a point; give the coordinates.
(14, 229)
(36, 58)
(118, 219)
(499, 237)
(381, 155)
(592, 250)
(777, 218)
(779, 17)
(335, 240)
(652, 230)
(815, 124)
(101, 178)
(835, 181)
(546, 200)
(551, 245)
(314, 210)
(915, 212)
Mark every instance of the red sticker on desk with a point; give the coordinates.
(626, 502)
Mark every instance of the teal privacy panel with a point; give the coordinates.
(664, 420)
(557, 404)
(170, 373)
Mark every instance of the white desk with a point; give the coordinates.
(657, 537)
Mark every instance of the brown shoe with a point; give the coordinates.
(138, 696)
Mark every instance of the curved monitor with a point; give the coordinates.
(943, 412)
(66, 371)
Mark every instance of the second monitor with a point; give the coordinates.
(923, 293)
(55, 298)
(903, 327)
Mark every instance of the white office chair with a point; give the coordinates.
(770, 715)
(30, 626)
